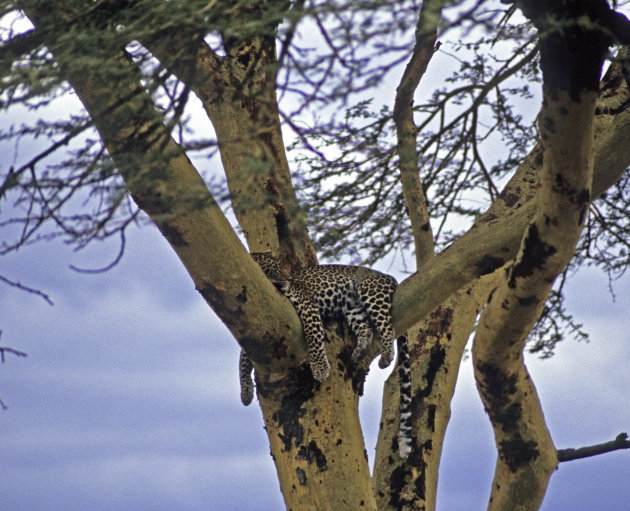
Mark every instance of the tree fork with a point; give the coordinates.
(238, 93)
(495, 237)
(572, 54)
(164, 183)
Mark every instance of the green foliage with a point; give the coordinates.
(338, 63)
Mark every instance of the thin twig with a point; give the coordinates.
(4, 349)
(26, 288)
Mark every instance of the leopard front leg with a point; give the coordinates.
(314, 332)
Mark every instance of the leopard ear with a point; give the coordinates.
(271, 268)
(262, 255)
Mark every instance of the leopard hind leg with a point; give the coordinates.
(377, 301)
(358, 321)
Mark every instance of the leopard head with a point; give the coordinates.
(271, 268)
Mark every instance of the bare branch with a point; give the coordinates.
(22, 287)
(4, 349)
(620, 442)
(496, 235)
(406, 131)
(526, 455)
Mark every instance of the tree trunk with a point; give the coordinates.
(313, 428)
(315, 435)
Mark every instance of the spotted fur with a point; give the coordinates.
(361, 296)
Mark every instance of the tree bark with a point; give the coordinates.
(238, 93)
(495, 237)
(572, 55)
(437, 346)
(406, 131)
(313, 428)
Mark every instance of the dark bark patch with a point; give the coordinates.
(497, 388)
(298, 387)
(350, 371)
(242, 296)
(441, 322)
(436, 361)
(509, 197)
(535, 253)
(549, 123)
(301, 475)
(217, 299)
(173, 235)
(397, 483)
(584, 196)
(278, 349)
(244, 59)
(312, 453)
(582, 216)
(518, 452)
(488, 263)
(431, 417)
(562, 186)
(402, 476)
(583, 199)
(507, 417)
(420, 486)
(527, 301)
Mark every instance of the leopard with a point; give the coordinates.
(363, 298)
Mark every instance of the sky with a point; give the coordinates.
(129, 398)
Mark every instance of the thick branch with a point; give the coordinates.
(494, 239)
(165, 184)
(621, 442)
(238, 94)
(437, 345)
(406, 131)
(526, 454)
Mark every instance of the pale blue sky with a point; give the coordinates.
(129, 396)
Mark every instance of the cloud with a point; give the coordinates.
(129, 397)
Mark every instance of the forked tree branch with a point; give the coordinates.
(572, 55)
(240, 101)
(495, 237)
(166, 185)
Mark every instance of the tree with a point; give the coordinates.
(372, 180)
